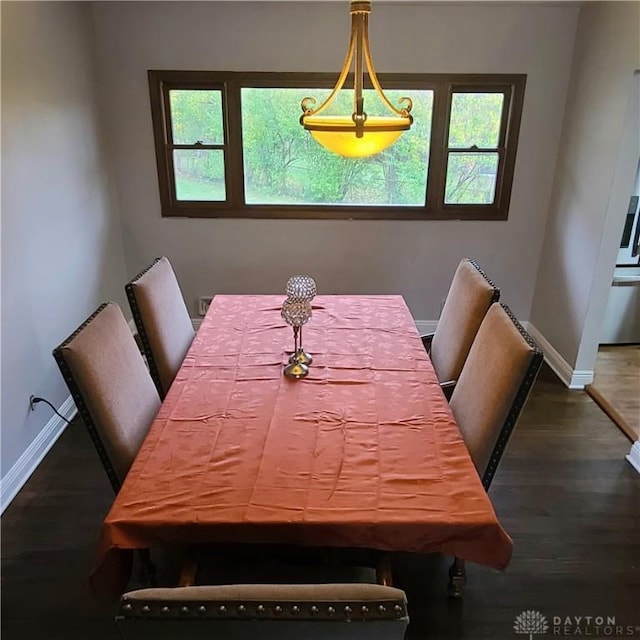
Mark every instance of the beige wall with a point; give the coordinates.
(594, 179)
(416, 259)
(61, 243)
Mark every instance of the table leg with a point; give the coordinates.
(383, 570)
(148, 571)
(457, 578)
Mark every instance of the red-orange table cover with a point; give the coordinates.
(363, 452)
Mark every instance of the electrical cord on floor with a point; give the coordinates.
(33, 400)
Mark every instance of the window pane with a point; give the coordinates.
(283, 164)
(196, 116)
(475, 120)
(199, 174)
(471, 178)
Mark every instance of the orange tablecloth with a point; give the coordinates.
(364, 452)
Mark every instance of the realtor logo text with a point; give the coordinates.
(594, 626)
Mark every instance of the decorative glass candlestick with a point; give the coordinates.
(296, 314)
(301, 288)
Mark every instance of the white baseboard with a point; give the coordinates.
(634, 456)
(426, 326)
(196, 322)
(27, 463)
(572, 378)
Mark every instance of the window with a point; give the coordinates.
(230, 145)
(197, 144)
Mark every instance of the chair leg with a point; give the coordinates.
(148, 571)
(383, 570)
(457, 578)
(188, 572)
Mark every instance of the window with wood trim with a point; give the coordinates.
(229, 144)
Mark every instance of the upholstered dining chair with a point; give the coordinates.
(470, 295)
(162, 320)
(492, 389)
(111, 387)
(265, 611)
(114, 394)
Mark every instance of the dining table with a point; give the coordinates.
(364, 452)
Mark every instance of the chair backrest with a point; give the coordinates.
(162, 320)
(470, 295)
(493, 387)
(265, 611)
(110, 386)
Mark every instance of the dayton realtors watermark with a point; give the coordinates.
(533, 623)
(603, 626)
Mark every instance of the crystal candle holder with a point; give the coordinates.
(301, 288)
(296, 313)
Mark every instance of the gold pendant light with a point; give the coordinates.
(357, 135)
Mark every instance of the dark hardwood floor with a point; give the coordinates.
(564, 492)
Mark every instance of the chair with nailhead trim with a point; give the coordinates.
(470, 295)
(111, 387)
(162, 320)
(114, 393)
(266, 611)
(494, 385)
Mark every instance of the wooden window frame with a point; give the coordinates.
(231, 83)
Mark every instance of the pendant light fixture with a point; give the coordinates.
(357, 135)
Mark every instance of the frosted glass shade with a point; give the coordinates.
(338, 133)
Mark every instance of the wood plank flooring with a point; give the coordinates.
(564, 493)
(617, 383)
